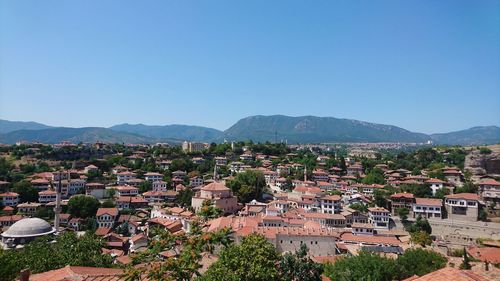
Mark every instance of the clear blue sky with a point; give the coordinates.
(427, 66)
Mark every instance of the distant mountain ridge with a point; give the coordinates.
(181, 132)
(75, 135)
(10, 126)
(318, 129)
(473, 136)
(302, 129)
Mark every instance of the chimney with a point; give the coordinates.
(24, 275)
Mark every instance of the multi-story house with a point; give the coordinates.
(28, 208)
(194, 146)
(453, 175)
(362, 229)
(281, 183)
(220, 161)
(401, 200)
(75, 186)
(490, 191)
(236, 167)
(123, 177)
(9, 198)
(320, 175)
(195, 181)
(165, 164)
(130, 202)
(197, 160)
(462, 206)
(40, 184)
(125, 190)
(159, 186)
(160, 196)
(435, 185)
(47, 196)
(95, 189)
(90, 169)
(270, 177)
(106, 217)
(355, 169)
(152, 177)
(379, 217)
(428, 208)
(247, 156)
(331, 204)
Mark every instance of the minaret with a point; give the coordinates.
(215, 172)
(57, 209)
(305, 173)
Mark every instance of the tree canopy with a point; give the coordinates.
(254, 259)
(42, 255)
(83, 206)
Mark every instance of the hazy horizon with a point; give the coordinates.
(223, 129)
(425, 66)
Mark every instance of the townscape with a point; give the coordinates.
(254, 211)
(234, 140)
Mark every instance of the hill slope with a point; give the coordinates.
(7, 126)
(473, 136)
(317, 129)
(75, 135)
(181, 132)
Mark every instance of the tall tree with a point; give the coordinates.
(420, 262)
(254, 259)
(299, 267)
(365, 266)
(27, 193)
(83, 206)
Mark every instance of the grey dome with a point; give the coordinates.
(29, 227)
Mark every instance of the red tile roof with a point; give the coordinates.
(434, 181)
(490, 182)
(70, 273)
(466, 196)
(215, 186)
(428, 201)
(109, 211)
(488, 254)
(402, 195)
(449, 274)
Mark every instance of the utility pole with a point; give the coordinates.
(57, 209)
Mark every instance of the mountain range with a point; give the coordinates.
(303, 129)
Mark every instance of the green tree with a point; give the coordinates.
(465, 261)
(248, 185)
(421, 224)
(83, 206)
(254, 259)
(43, 255)
(380, 198)
(183, 197)
(359, 207)
(27, 193)
(403, 213)
(419, 262)
(467, 187)
(374, 176)
(299, 267)
(483, 215)
(208, 211)
(421, 238)
(145, 186)
(364, 267)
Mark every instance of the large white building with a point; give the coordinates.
(220, 196)
(428, 208)
(379, 217)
